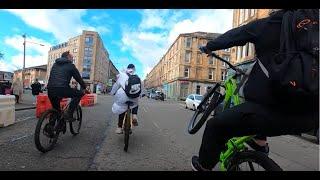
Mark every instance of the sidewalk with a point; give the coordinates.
(26, 102)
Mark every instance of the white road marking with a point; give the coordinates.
(144, 109)
(156, 125)
(20, 120)
(182, 104)
(18, 138)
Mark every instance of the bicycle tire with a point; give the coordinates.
(127, 127)
(194, 126)
(74, 131)
(37, 133)
(253, 156)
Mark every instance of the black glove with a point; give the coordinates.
(205, 50)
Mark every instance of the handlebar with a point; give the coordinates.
(229, 64)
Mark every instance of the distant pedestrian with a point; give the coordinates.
(36, 89)
(17, 89)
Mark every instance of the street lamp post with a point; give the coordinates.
(24, 60)
(24, 57)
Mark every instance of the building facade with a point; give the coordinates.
(31, 74)
(6, 76)
(241, 17)
(89, 56)
(184, 70)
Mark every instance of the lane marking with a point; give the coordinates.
(18, 138)
(20, 120)
(144, 109)
(156, 125)
(182, 104)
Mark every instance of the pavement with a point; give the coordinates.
(26, 101)
(160, 143)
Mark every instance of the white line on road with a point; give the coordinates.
(156, 125)
(18, 138)
(18, 120)
(144, 109)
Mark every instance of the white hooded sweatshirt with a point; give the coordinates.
(120, 97)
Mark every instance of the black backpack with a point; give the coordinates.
(133, 86)
(294, 72)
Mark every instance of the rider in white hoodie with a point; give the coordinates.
(119, 106)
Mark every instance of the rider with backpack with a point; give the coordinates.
(128, 87)
(282, 89)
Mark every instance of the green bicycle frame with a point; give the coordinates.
(235, 144)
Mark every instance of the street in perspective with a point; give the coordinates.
(138, 94)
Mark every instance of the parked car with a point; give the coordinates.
(152, 95)
(159, 96)
(193, 101)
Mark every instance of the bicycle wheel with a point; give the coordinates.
(252, 161)
(76, 125)
(127, 127)
(205, 108)
(47, 131)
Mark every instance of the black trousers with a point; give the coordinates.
(17, 98)
(121, 116)
(56, 94)
(251, 119)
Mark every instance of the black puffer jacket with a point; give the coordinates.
(265, 34)
(61, 73)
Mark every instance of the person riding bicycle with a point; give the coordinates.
(121, 97)
(58, 85)
(262, 113)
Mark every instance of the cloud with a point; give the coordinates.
(148, 46)
(35, 54)
(63, 24)
(153, 19)
(7, 67)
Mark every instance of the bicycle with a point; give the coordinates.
(55, 125)
(237, 151)
(126, 125)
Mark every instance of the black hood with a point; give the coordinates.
(62, 60)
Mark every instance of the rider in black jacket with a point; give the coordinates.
(58, 85)
(261, 113)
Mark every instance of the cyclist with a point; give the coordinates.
(261, 113)
(121, 97)
(58, 85)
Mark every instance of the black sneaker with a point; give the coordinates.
(196, 166)
(255, 146)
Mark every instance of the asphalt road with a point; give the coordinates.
(159, 143)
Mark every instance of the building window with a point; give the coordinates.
(247, 49)
(198, 73)
(211, 60)
(227, 50)
(227, 59)
(89, 40)
(246, 14)
(198, 58)
(198, 89)
(210, 74)
(188, 42)
(241, 16)
(244, 50)
(223, 75)
(186, 71)
(75, 50)
(239, 49)
(188, 56)
(252, 12)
